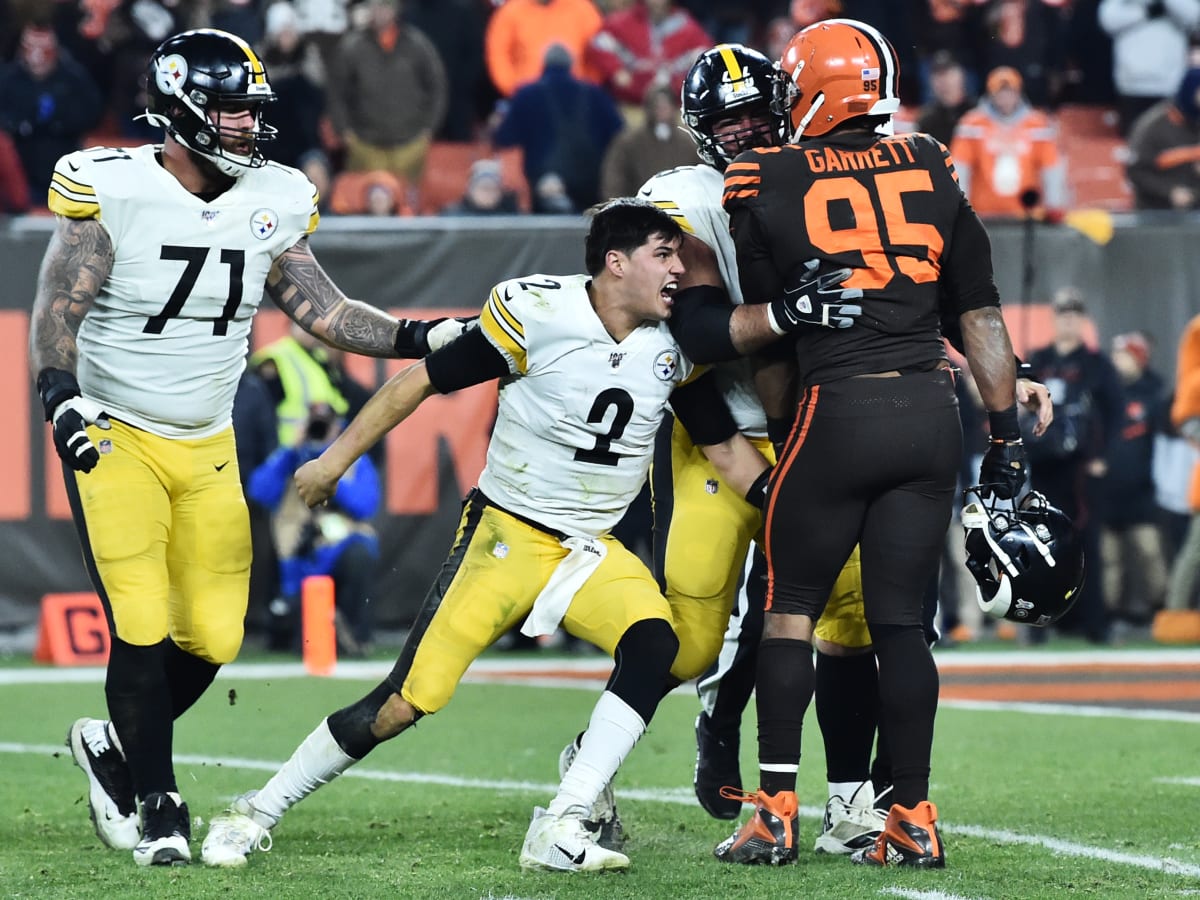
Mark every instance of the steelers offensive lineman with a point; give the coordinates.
(138, 337)
(587, 366)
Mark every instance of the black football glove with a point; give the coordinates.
(1003, 469)
(70, 413)
(816, 301)
(757, 495)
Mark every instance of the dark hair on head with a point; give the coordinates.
(625, 224)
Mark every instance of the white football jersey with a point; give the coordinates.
(575, 428)
(692, 196)
(164, 345)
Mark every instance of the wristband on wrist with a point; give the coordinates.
(758, 490)
(54, 386)
(410, 339)
(1004, 425)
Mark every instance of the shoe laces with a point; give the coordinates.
(242, 829)
(729, 792)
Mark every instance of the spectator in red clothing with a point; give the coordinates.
(14, 189)
(649, 40)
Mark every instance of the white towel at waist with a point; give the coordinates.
(583, 557)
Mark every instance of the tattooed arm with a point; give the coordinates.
(76, 264)
(303, 290)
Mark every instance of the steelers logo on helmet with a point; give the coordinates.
(666, 364)
(170, 72)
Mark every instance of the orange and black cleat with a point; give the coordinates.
(770, 834)
(909, 838)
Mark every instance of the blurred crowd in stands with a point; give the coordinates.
(1047, 105)
(478, 107)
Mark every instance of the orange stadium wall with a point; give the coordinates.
(1145, 277)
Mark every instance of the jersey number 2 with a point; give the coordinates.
(193, 258)
(601, 454)
(867, 237)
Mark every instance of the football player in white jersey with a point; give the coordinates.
(587, 367)
(139, 332)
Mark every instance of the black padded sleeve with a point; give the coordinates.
(700, 323)
(467, 360)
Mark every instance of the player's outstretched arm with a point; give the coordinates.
(302, 289)
(388, 407)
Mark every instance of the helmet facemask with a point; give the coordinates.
(1026, 560)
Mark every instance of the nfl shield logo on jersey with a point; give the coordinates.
(263, 223)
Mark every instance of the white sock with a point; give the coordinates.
(317, 761)
(613, 730)
(843, 789)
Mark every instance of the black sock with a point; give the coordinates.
(784, 690)
(847, 697)
(188, 677)
(139, 704)
(908, 690)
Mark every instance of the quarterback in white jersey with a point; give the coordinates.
(545, 460)
(160, 257)
(587, 367)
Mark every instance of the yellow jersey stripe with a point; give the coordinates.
(513, 322)
(75, 187)
(502, 338)
(71, 207)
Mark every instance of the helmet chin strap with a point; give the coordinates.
(808, 117)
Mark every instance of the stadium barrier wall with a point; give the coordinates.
(1145, 277)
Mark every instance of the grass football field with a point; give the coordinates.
(1037, 799)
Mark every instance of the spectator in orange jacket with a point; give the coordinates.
(1006, 151)
(651, 41)
(521, 31)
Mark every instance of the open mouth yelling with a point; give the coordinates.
(668, 291)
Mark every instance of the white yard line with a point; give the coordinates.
(683, 796)
(921, 895)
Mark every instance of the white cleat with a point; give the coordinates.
(111, 800)
(234, 835)
(853, 825)
(563, 844)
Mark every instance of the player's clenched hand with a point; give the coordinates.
(816, 300)
(316, 482)
(1003, 469)
(1035, 397)
(70, 413)
(71, 419)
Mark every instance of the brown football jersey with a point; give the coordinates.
(890, 209)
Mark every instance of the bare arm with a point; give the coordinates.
(737, 461)
(77, 262)
(989, 351)
(303, 290)
(387, 408)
